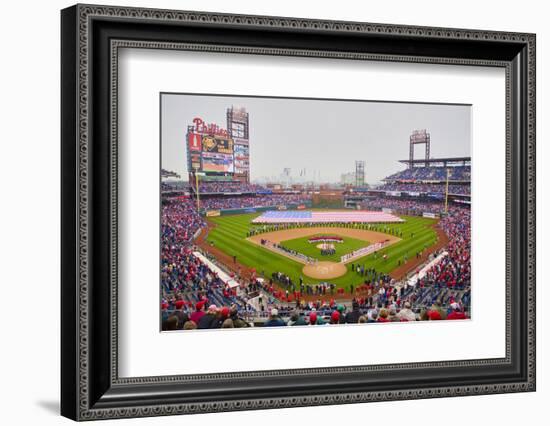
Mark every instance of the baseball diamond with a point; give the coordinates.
(230, 236)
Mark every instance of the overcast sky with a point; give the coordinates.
(320, 135)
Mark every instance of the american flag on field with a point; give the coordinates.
(353, 216)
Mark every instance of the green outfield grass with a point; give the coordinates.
(302, 245)
(230, 236)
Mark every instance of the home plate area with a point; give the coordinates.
(325, 270)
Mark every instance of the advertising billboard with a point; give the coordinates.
(220, 163)
(242, 158)
(195, 142)
(217, 145)
(195, 160)
(241, 151)
(239, 141)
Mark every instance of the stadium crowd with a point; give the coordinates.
(407, 206)
(454, 270)
(462, 173)
(179, 223)
(385, 306)
(239, 202)
(425, 187)
(229, 187)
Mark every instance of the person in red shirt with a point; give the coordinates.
(199, 313)
(313, 318)
(457, 313)
(434, 315)
(335, 317)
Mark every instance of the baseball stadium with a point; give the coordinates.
(237, 253)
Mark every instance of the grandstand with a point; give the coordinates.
(196, 284)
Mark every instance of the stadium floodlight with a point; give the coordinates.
(197, 174)
(447, 190)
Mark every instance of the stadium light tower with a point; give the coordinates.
(419, 137)
(238, 130)
(447, 190)
(359, 173)
(197, 174)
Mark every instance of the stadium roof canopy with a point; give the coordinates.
(168, 173)
(444, 162)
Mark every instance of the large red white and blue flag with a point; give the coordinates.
(353, 216)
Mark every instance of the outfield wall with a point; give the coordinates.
(248, 210)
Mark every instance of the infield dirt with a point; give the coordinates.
(290, 234)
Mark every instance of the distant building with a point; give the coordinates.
(359, 173)
(347, 179)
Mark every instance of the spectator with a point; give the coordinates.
(274, 319)
(352, 317)
(170, 324)
(297, 319)
(372, 316)
(209, 319)
(456, 313)
(227, 323)
(406, 314)
(238, 322)
(313, 318)
(335, 317)
(199, 313)
(392, 317)
(190, 325)
(383, 315)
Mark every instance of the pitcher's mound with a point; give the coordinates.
(324, 270)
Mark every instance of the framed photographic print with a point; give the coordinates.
(263, 212)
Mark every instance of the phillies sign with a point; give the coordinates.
(208, 129)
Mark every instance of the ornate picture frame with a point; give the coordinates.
(90, 41)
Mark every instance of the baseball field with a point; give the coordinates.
(230, 235)
(302, 245)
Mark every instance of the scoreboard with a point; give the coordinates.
(217, 153)
(208, 153)
(218, 145)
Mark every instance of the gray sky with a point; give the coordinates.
(320, 135)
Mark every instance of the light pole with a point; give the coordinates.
(197, 174)
(447, 190)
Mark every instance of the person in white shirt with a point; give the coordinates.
(406, 314)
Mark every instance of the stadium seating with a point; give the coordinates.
(457, 173)
(426, 188)
(239, 202)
